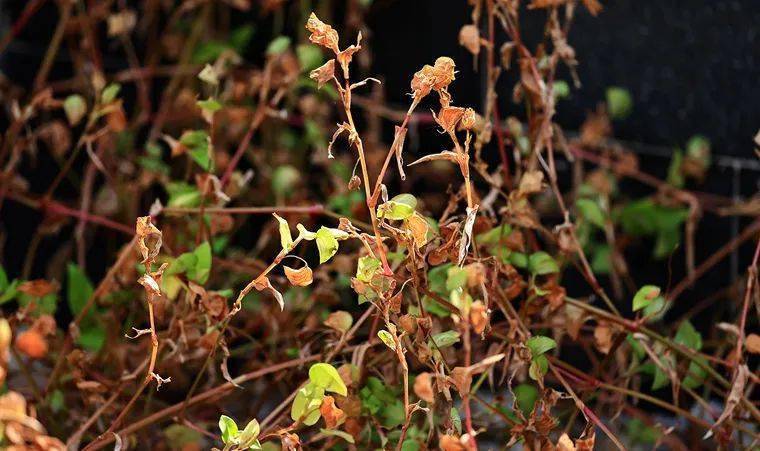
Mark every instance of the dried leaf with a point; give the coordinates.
(752, 343)
(322, 34)
(478, 316)
(449, 117)
(423, 387)
(733, 399)
(464, 242)
(38, 288)
(332, 414)
(603, 337)
(340, 321)
(531, 182)
(300, 277)
(263, 283)
(469, 38)
(148, 238)
(323, 74)
(419, 227)
(32, 343)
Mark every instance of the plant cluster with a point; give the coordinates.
(495, 308)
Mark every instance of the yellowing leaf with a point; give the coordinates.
(340, 321)
(387, 338)
(326, 244)
(286, 240)
(326, 376)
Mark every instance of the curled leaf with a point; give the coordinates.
(300, 277)
(387, 338)
(322, 34)
(263, 283)
(469, 38)
(286, 239)
(323, 74)
(148, 238)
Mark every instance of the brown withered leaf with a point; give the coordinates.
(593, 6)
(752, 343)
(322, 34)
(38, 288)
(263, 283)
(449, 117)
(331, 413)
(347, 54)
(300, 277)
(148, 238)
(451, 443)
(531, 182)
(603, 337)
(469, 38)
(423, 387)
(340, 321)
(419, 227)
(324, 73)
(32, 343)
(478, 316)
(565, 443)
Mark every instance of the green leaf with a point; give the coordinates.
(366, 268)
(211, 105)
(446, 339)
(75, 108)
(248, 438)
(619, 102)
(591, 211)
(278, 45)
(198, 147)
(183, 195)
(538, 367)
(326, 244)
(326, 376)
(286, 240)
(284, 180)
(526, 396)
(456, 278)
(110, 92)
(495, 235)
(539, 345)
(336, 433)
(387, 338)
(661, 378)
(229, 429)
(398, 208)
(645, 296)
(518, 259)
(696, 374)
(698, 148)
(688, 336)
(78, 290)
(202, 267)
(305, 234)
(56, 401)
(3, 279)
(306, 404)
(540, 263)
(601, 261)
(456, 420)
(309, 57)
(561, 89)
(92, 336)
(675, 177)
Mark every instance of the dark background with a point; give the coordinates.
(692, 66)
